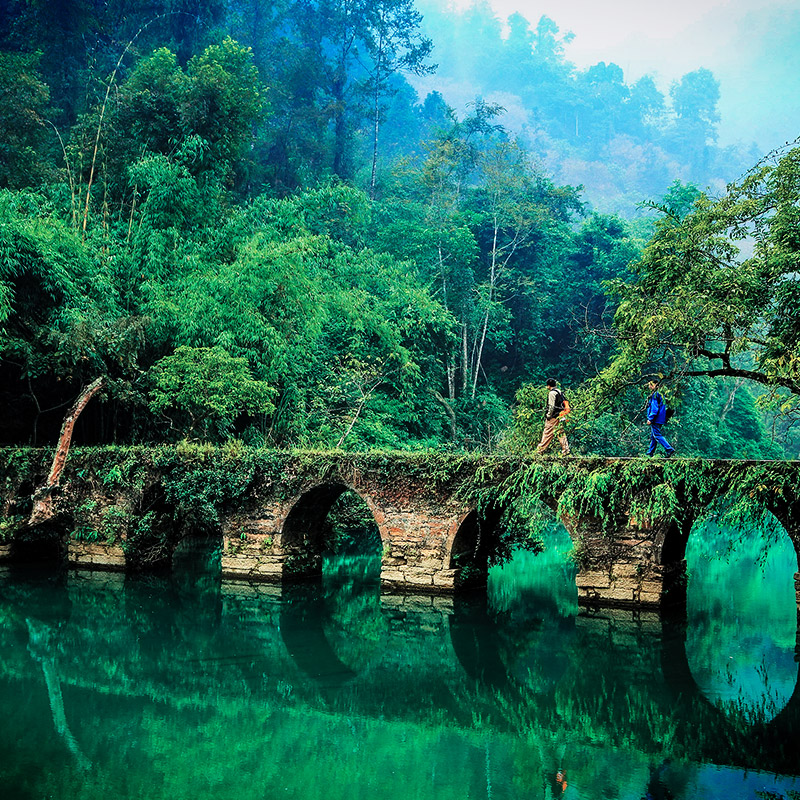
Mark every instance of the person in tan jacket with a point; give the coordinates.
(557, 407)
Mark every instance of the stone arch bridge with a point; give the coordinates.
(437, 514)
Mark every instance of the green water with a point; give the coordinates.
(179, 687)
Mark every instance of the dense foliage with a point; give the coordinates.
(245, 220)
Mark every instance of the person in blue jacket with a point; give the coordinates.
(656, 417)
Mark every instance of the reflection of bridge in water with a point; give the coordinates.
(613, 677)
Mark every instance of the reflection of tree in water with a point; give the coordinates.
(41, 648)
(606, 710)
(351, 568)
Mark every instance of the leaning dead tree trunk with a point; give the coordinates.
(42, 497)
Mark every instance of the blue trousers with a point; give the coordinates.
(656, 437)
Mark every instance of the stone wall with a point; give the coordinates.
(95, 555)
(622, 566)
(417, 539)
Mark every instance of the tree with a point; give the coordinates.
(512, 218)
(356, 47)
(716, 291)
(694, 100)
(224, 99)
(61, 325)
(446, 248)
(644, 109)
(606, 97)
(395, 45)
(204, 389)
(23, 104)
(202, 119)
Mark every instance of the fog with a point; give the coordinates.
(750, 45)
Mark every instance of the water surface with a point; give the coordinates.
(186, 687)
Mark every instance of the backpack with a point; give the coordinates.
(563, 405)
(668, 412)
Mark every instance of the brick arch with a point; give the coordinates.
(197, 547)
(570, 526)
(464, 539)
(307, 512)
(467, 549)
(787, 514)
(48, 544)
(303, 521)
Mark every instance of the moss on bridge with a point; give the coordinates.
(134, 496)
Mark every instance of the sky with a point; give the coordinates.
(751, 46)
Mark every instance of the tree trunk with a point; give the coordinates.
(492, 280)
(339, 129)
(451, 414)
(374, 147)
(464, 359)
(377, 113)
(42, 497)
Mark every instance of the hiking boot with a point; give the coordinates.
(670, 454)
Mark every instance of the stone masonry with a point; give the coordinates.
(277, 540)
(432, 539)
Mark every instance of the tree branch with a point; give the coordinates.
(42, 497)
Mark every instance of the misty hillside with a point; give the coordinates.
(623, 142)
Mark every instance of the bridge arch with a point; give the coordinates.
(304, 529)
(673, 544)
(467, 551)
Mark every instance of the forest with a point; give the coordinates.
(243, 219)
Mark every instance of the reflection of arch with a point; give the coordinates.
(197, 579)
(303, 634)
(476, 642)
(772, 745)
(477, 635)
